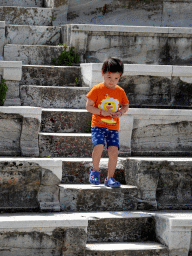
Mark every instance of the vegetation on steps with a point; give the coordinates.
(3, 91)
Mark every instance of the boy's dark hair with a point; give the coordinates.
(113, 65)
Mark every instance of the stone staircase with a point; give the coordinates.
(94, 220)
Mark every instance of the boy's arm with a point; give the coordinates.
(97, 111)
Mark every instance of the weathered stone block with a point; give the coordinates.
(32, 35)
(50, 75)
(133, 45)
(162, 183)
(19, 127)
(60, 121)
(27, 186)
(86, 198)
(2, 37)
(32, 54)
(26, 16)
(120, 227)
(23, 3)
(12, 93)
(53, 97)
(65, 145)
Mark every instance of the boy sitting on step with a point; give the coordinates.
(107, 102)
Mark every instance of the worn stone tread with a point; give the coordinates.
(126, 249)
(45, 75)
(54, 96)
(26, 15)
(23, 3)
(32, 35)
(90, 197)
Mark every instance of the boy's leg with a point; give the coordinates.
(96, 156)
(113, 156)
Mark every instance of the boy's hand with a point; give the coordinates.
(117, 114)
(107, 113)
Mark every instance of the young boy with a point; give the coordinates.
(107, 102)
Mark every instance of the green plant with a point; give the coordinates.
(76, 80)
(3, 91)
(67, 57)
(88, 129)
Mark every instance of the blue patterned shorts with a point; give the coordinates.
(101, 134)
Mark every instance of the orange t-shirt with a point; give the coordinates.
(106, 98)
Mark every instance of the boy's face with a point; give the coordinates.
(111, 79)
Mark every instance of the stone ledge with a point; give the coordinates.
(54, 165)
(20, 128)
(34, 220)
(173, 229)
(11, 70)
(146, 30)
(91, 73)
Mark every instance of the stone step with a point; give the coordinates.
(26, 16)
(53, 96)
(65, 145)
(87, 198)
(22, 3)
(163, 182)
(44, 234)
(65, 121)
(76, 170)
(126, 249)
(132, 44)
(50, 75)
(32, 35)
(29, 184)
(32, 54)
(121, 226)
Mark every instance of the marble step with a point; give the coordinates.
(32, 54)
(88, 198)
(47, 234)
(32, 35)
(26, 15)
(53, 96)
(50, 75)
(120, 226)
(23, 3)
(76, 170)
(65, 120)
(126, 249)
(65, 145)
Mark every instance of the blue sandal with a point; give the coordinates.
(111, 182)
(94, 177)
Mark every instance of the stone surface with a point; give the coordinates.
(120, 227)
(12, 92)
(163, 183)
(86, 198)
(46, 234)
(53, 96)
(65, 120)
(11, 70)
(138, 13)
(95, 43)
(126, 249)
(32, 35)
(76, 171)
(65, 145)
(174, 230)
(26, 16)
(50, 75)
(2, 37)
(26, 186)
(24, 3)
(19, 131)
(32, 54)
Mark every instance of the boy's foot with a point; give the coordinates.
(111, 182)
(94, 177)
